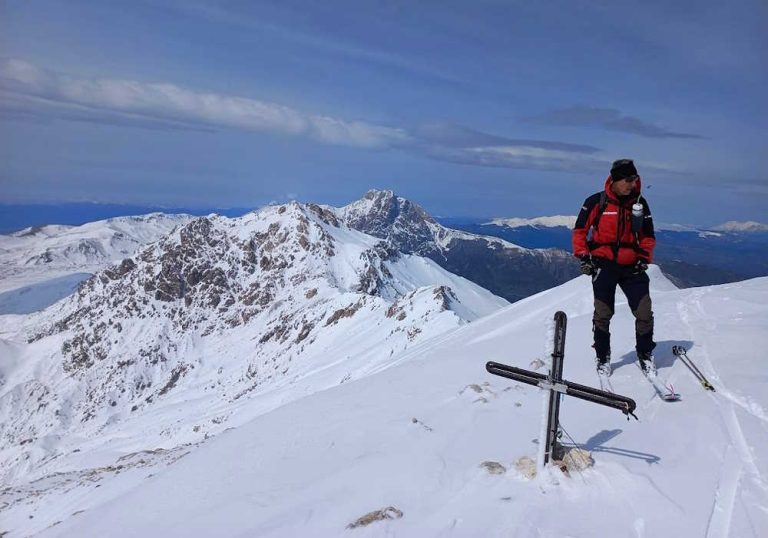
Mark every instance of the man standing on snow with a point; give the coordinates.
(617, 253)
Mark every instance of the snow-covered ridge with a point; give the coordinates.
(213, 313)
(566, 221)
(90, 243)
(37, 254)
(736, 226)
(569, 221)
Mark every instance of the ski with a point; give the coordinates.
(681, 353)
(605, 383)
(665, 392)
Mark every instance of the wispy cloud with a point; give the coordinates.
(452, 135)
(606, 118)
(32, 93)
(522, 157)
(463, 145)
(128, 101)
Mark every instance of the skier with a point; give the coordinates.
(618, 251)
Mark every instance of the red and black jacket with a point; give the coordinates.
(613, 238)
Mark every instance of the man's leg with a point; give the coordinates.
(635, 287)
(604, 288)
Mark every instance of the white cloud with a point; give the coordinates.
(163, 101)
(29, 92)
(520, 156)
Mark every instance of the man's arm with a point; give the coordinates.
(647, 234)
(582, 226)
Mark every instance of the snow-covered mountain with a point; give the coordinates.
(407, 225)
(280, 302)
(736, 226)
(90, 244)
(555, 221)
(436, 446)
(41, 265)
(506, 269)
(569, 221)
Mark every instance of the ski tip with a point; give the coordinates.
(671, 397)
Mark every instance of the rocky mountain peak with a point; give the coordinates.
(385, 215)
(504, 268)
(386, 205)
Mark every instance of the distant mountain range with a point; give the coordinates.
(512, 257)
(689, 256)
(35, 254)
(16, 217)
(735, 226)
(569, 221)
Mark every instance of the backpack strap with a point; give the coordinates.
(592, 245)
(600, 209)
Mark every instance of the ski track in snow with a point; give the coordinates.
(742, 447)
(725, 496)
(745, 403)
(738, 457)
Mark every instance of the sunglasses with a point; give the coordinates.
(630, 179)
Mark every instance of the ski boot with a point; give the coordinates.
(647, 365)
(603, 366)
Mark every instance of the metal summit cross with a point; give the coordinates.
(556, 385)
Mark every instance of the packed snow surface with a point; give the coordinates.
(426, 443)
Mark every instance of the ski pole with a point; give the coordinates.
(682, 354)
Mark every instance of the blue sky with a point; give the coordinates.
(483, 108)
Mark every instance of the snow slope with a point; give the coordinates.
(41, 265)
(414, 435)
(38, 296)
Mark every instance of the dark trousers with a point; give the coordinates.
(635, 287)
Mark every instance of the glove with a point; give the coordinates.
(587, 266)
(641, 266)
